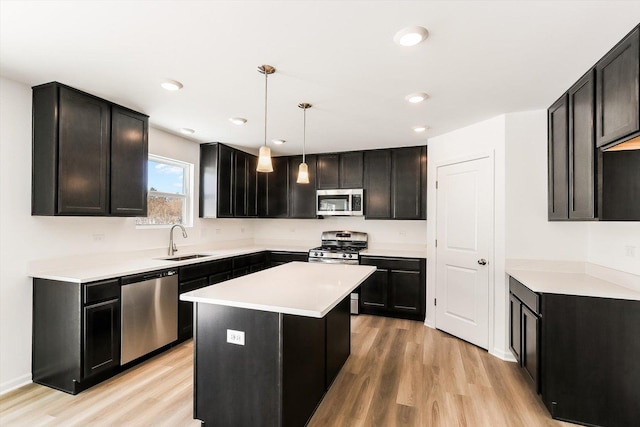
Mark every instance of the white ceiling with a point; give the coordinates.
(482, 58)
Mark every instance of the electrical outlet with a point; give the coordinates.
(203, 232)
(242, 229)
(630, 251)
(218, 231)
(235, 337)
(98, 237)
(403, 233)
(292, 230)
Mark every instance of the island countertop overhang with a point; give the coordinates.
(298, 288)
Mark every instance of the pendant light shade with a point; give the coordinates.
(303, 173)
(303, 169)
(264, 160)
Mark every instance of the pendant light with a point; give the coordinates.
(303, 169)
(264, 159)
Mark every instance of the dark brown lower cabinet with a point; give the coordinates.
(76, 333)
(396, 289)
(583, 351)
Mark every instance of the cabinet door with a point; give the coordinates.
(377, 177)
(618, 91)
(406, 291)
(582, 149)
(530, 355)
(129, 155)
(515, 323)
(351, 169)
(208, 200)
(406, 188)
(302, 197)
(277, 195)
(83, 154)
(328, 171)
(558, 158)
(101, 337)
(240, 184)
(252, 185)
(373, 292)
(225, 165)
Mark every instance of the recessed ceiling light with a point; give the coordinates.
(171, 85)
(187, 131)
(238, 120)
(278, 141)
(420, 128)
(414, 98)
(410, 36)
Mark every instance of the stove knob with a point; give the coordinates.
(321, 253)
(350, 256)
(344, 255)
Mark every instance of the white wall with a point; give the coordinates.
(400, 235)
(487, 137)
(529, 235)
(25, 238)
(615, 245)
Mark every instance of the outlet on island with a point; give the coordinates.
(235, 337)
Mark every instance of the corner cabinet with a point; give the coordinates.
(396, 289)
(580, 353)
(89, 155)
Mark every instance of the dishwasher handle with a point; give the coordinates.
(142, 277)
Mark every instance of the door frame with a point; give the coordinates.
(490, 155)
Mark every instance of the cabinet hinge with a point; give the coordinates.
(436, 185)
(436, 243)
(435, 301)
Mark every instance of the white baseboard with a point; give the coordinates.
(504, 355)
(15, 383)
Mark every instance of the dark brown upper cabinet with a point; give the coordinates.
(618, 91)
(273, 190)
(395, 183)
(582, 149)
(558, 159)
(89, 155)
(129, 155)
(228, 182)
(328, 171)
(409, 183)
(340, 170)
(302, 197)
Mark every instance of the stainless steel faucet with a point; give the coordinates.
(172, 245)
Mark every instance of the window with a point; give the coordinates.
(169, 197)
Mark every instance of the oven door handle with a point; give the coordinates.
(334, 261)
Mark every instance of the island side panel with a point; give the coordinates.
(237, 385)
(338, 339)
(303, 376)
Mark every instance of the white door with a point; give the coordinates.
(463, 231)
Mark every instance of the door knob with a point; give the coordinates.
(482, 261)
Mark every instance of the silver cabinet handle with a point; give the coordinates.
(482, 261)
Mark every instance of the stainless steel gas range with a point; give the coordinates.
(341, 247)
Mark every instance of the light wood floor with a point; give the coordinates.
(400, 373)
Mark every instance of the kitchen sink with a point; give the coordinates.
(184, 257)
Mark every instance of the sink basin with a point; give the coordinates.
(184, 257)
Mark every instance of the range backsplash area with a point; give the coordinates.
(388, 234)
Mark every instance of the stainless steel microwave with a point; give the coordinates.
(340, 202)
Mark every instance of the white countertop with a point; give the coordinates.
(299, 288)
(118, 265)
(567, 282)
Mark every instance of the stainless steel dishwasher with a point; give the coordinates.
(149, 315)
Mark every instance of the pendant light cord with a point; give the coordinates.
(304, 133)
(266, 76)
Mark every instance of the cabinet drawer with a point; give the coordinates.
(283, 257)
(101, 291)
(204, 269)
(192, 285)
(524, 294)
(407, 264)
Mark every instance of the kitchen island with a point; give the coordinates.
(267, 346)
